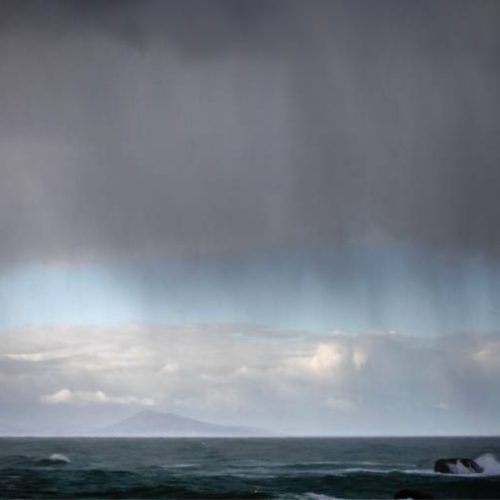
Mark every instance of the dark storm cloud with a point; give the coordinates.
(192, 26)
(154, 127)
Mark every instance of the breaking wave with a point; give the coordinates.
(59, 457)
(54, 459)
(488, 461)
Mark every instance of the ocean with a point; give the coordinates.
(217, 468)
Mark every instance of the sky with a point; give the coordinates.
(272, 213)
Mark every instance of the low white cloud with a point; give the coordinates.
(326, 358)
(169, 369)
(40, 356)
(359, 358)
(93, 397)
(340, 404)
(28, 356)
(487, 356)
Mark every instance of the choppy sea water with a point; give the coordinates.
(294, 468)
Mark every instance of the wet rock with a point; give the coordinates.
(457, 466)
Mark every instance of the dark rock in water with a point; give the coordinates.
(457, 466)
(415, 494)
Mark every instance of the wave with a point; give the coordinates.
(310, 495)
(318, 496)
(488, 461)
(59, 457)
(54, 459)
(330, 468)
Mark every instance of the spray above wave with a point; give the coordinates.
(489, 463)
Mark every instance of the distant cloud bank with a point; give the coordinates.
(287, 381)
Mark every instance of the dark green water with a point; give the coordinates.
(241, 468)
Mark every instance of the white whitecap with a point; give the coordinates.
(59, 457)
(319, 496)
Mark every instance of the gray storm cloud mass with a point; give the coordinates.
(172, 128)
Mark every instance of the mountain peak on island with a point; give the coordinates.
(153, 423)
